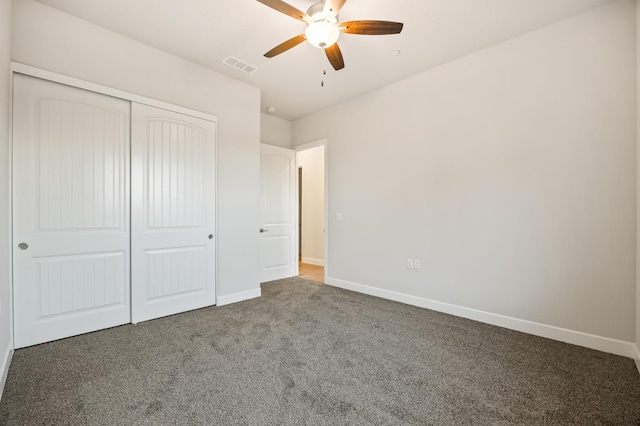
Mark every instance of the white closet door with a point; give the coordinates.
(173, 212)
(71, 211)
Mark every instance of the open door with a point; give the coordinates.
(278, 249)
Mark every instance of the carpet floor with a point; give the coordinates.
(307, 353)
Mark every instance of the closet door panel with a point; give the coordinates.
(71, 211)
(173, 212)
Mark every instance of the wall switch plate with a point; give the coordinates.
(338, 216)
(410, 263)
(416, 263)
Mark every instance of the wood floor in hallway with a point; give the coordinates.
(312, 272)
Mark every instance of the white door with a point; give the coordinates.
(173, 212)
(278, 254)
(71, 211)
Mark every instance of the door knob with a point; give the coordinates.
(263, 230)
(23, 246)
(211, 236)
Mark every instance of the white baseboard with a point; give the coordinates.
(4, 368)
(603, 344)
(312, 261)
(636, 358)
(239, 297)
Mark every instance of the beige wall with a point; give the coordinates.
(510, 173)
(5, 230)
(312, 163)
(52, 40)
(638, 185)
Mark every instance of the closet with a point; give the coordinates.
(113, 211)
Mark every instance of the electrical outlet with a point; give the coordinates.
(416, 263)
(410, 263)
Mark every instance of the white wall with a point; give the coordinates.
(275, 131)
(312, 163)
(49, 39)
(509, 173)
(5, 233)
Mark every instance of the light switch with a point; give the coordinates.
(338, 216)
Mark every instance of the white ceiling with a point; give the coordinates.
(207, 31)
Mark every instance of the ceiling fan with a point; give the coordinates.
(323, 28)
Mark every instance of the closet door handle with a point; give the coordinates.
(263, 230)
(23, 246)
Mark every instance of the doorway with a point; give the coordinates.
(311, 162)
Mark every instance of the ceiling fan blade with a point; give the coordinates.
(287, 9)
(283, 47)
(371, 27)
(335, 56)
(332, 7)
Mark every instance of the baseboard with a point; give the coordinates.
(603, 344)
(636, 357)
(4, 368)
(239, 297)
(312, 261)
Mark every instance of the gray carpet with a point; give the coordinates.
(307, 353)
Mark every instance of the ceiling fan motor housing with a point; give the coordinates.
(316, 12)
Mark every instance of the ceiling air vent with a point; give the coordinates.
(239, 65)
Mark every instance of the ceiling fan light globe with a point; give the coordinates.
(322, 34)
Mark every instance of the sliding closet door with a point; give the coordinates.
(71, 211)
(173, 212)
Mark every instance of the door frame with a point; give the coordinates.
(28, 70)
(324, 143)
